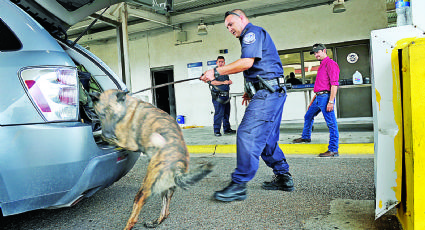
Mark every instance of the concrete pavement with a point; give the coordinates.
(330, 193)
(337, 193)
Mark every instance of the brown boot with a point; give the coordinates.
(329, 154)
(299, 140)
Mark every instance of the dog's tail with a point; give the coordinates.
(184, 180)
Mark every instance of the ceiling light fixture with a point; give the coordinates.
(202, 28)
(338, 6)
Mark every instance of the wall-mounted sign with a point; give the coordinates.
(194, 70)
(352, 58)
(211, 64)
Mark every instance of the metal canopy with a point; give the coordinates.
(150, 14)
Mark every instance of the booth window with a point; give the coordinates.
(292, 63)
(302, 63)
(311, 65)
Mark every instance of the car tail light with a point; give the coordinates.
(53, 90)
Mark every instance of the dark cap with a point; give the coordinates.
(317, 47)
(229, 13)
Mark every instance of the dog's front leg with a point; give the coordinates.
(165, 211)
(139, 201)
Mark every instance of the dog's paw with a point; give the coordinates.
(206, 164)
(151, 224)
(209, 165)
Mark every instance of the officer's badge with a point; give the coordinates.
(249, 38)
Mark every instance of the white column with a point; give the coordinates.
(418, 15)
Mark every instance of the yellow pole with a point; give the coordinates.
(411, 211)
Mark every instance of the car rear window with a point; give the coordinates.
(8, 40)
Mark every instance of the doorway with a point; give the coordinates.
(164, 97)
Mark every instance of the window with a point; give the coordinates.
(292, 63)
(8, 40)
(311, 65)
(302, 63)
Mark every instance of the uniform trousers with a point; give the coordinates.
(221, 115)
(258, 135)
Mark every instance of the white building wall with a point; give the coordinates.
(289, 30)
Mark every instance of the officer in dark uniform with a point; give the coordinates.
(220, 99)
(293, 80)
(258, 133)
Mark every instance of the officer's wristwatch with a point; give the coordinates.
(330, 102)
(216, 74)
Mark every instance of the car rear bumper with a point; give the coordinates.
(55, 165)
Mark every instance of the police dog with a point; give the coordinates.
(139, 126)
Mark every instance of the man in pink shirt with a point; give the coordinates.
(325, 88)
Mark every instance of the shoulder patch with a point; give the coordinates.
(249, 38)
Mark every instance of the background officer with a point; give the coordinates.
(258, 133)
(293, 80)
(220, 100)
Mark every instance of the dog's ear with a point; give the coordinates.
(121, 96)
(94, 96)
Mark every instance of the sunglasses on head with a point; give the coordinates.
(229, 13)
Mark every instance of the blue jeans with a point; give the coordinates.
(221, 115)
(258, 135)
(319, 105)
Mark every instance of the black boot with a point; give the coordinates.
(280, 182)
(232, 192)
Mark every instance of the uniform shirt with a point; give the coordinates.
(222, 87)
(257, 43)
(327, 75)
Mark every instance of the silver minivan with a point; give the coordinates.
(51, 153)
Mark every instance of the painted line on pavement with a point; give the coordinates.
(362, 148)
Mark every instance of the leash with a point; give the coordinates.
(215, 148)
(165, 84)
(184, 80)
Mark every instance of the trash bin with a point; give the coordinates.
(180, 119)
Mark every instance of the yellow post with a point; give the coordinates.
(411, 211)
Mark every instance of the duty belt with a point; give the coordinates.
(272, 82)
(322, 92)
(216, 93)
(252, 87)
(222, 94)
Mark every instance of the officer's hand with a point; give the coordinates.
(245, 99)
(229, 82)
(215, 83)
(208, 75)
